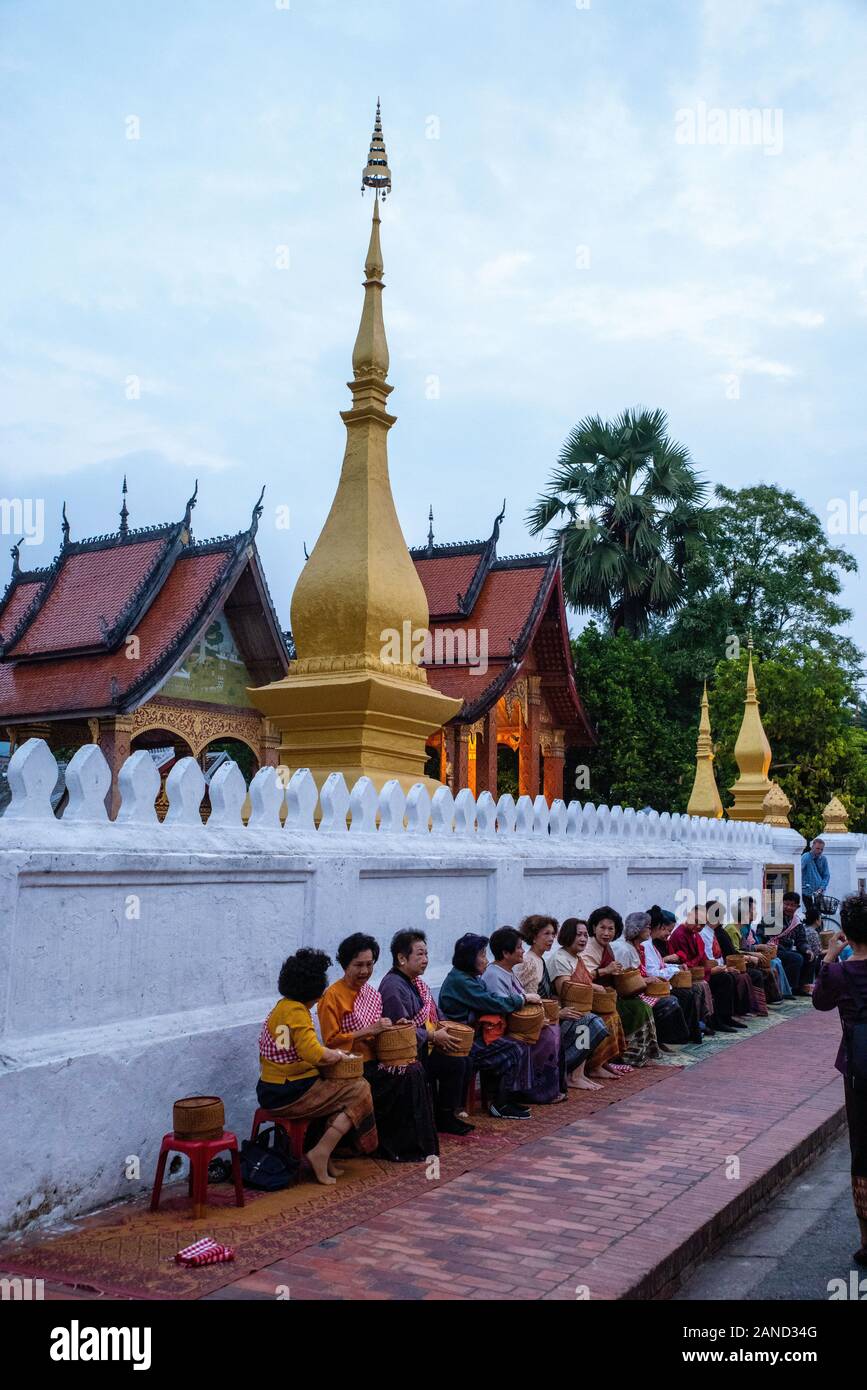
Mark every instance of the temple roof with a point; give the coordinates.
(64, 628)
(518, 601)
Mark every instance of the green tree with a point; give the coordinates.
(769, 567)
(643, 757)
(630, 505)
(818, 752)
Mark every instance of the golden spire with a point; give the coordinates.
(348, 703)
(752, 755)
(705, 798)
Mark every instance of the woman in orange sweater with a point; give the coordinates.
(290, 1055)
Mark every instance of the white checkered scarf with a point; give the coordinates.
(366, 1011)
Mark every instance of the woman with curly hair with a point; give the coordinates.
(843, 985)
(290, 1056)
(350, 1017)
(605, 925)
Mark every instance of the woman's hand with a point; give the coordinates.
(837, 944)
(330, 1055)
(379, 1026)
(443, 1038)
(533, 998)
(613, 969)
(569, 1012)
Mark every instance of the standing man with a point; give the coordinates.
(815, 871)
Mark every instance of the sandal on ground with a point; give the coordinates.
(619, 1068)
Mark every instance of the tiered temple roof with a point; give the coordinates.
(518, 601)
(64, 629)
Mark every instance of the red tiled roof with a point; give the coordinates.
(91, 584)
(444, 577)
(82, 683)
(22, 596)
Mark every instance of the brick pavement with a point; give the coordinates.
(617, 1205)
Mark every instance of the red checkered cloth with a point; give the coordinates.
(205, 1252)
(269, 1049)
(366, 1011)
(428, 1011)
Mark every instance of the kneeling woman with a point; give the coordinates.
(350, 1017)
(464, 998)
(605, 925)
(289, 1057)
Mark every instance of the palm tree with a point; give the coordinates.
(633, 516)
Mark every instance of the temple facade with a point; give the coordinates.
(499, 642)
(142, 639)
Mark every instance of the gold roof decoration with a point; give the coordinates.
(777, 807)
(836, 818)
(705, 798)
(752, 755)
(376, 173)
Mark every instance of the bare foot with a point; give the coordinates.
(319, 1163)
(335, 1169)
(584, 1084)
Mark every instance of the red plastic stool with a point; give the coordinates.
(295, 1130)
(199, 1152)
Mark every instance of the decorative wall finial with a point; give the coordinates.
(191, 502)
(124, 513)
(376, 173)
(15, 552)
(836, 818)
(257, 513)
(495, 534)
(64, 525)
(430, 531)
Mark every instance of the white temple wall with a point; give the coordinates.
(138, 959)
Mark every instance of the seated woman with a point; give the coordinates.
(566, 964)
(604, 926)
(696, 947)
(405, 995)
(675, 1022)
(660, 960)
(290, 1055)
(749, 983)
(580, 1034)
(503, 1061)
(746, 915)
(350, 1017)
(547, 1086)
(794, 942)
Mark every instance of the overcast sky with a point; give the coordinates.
(562, 240)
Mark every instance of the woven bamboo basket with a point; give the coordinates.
(604, 1000)
(198, 1117)
(766, 955)
(697, 972)
(577, 996)
(526, 1024)
(681, 980)
(826, 937)
(552, 1010)
(347, 1069)
(398, 1046)
(657, 989)
(462, 1034)
(736, 961)
(628, 983)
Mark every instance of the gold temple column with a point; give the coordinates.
(486, 755)
(530, 745)
(554, 755)
(115, 737)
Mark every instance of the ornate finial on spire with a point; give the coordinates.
(124, 513)
(304, 548)
(64, 525)
(836, 818)
(376, 173)
(777, 806)
(15, 552)
(430, 531)
(191, 502)
(705, 798)
(257, 512)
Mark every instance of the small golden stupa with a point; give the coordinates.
(343, 706)
(777, 807)
(704, 799)
(753, 757)
(836, 818)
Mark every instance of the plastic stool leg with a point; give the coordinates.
(200, 1185)
(158, 1180)
(236, 1175)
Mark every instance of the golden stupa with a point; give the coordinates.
(343, 705)
(704, 799)
(753, 757)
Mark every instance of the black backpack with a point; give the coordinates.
(267, 1162)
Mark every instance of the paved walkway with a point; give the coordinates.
(614, 1208)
